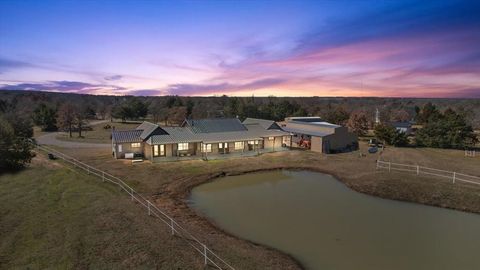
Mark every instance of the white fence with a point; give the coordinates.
(210, 258)
(470, 153)
(454, 176)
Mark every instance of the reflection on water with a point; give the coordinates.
(325, 225)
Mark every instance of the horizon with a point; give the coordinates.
(387, 49)
(218, 96)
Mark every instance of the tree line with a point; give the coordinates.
(437, 129)
(446, 123)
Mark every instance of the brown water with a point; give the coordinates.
(325, 225)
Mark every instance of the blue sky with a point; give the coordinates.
(282, 48)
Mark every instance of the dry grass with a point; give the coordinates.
(98, 134)
(169, 183)
(52, 217)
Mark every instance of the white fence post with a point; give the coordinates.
(148, 203)
(454, 176)
(389, 166)
(103, 176)
(171, 225)
(205, 253)
(418, 170)
(88, 170)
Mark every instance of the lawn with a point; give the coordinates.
(98, 134)
(56, 218)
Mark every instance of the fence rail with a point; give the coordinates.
(210, 257)
(454, 176)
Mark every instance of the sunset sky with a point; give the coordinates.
(281, 48)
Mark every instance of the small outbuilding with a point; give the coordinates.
(318, 135)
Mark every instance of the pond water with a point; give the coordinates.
(325, 225)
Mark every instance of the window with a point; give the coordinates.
(159, 150)
(239, 145)
(119, 148)
(222, 145)
(182, 146)
(252, 142)
(136, 145)
(271, 138)
(206, 147)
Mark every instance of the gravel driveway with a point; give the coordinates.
(51, 139)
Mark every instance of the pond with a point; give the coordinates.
(325, 225)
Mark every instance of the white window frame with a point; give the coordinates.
(253, 142)
(182, 146)
(120, 148)
(159, 150)
(222, 145)
(271, 138)
(136, 145)
(206, 147)
(239, 145)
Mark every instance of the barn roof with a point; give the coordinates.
(297, 130)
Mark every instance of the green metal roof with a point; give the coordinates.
(214, 125)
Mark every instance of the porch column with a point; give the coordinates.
(205, 146)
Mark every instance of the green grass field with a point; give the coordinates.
(52, 217)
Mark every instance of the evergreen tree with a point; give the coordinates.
(15, 142)
(390, 135)
(45, 117)
(447, 130)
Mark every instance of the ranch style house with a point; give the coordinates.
(226, 137)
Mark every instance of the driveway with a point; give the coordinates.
(51, 139)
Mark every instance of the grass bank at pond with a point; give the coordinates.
(56, 218)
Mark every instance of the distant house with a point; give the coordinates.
(203, 138)
(318, 135)
(405, 127)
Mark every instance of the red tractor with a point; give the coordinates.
(304, 143)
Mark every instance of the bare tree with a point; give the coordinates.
(80, 120)
(177, 114)
(358, 123)
(66, 117)
(157, 109)
(400, 116)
